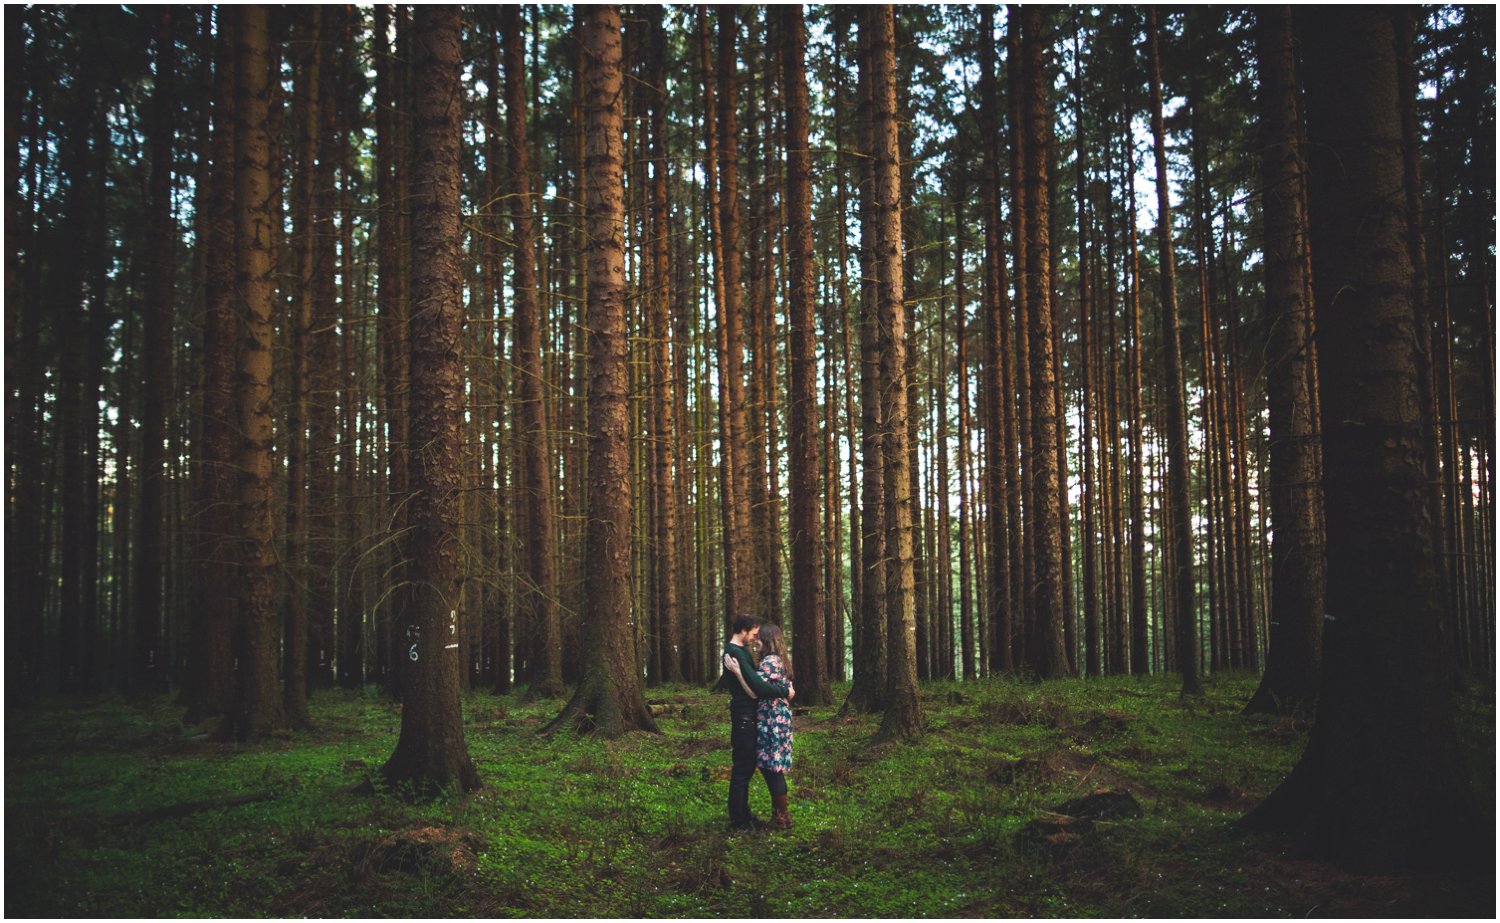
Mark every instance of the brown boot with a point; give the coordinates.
(782, 818)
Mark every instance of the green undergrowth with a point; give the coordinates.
(118, 810)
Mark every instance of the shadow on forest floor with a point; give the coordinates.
(1073, 798)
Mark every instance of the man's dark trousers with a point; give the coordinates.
(742, 746)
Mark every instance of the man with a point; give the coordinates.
(742, 715)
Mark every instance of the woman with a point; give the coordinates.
(773, 720)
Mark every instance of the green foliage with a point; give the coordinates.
(578, 826)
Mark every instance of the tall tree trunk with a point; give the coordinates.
(1093, 628)
(804, 459)
(533, 460)
(1025, 603)
(856, 582)
(1118, 646)
(903, 713)
(322, 356)
(152, 546)
(209, 689)
(868, 693)
(941, 493)
(967, 638)
(23, 374)
(1382, 784)
(1403, 21)
(431, 753)
(307, 65)
(395, 356)
(498, 545)
(77, 410)
(1186, 627)
(608, 699)
(257, 709)
(739, 584)
(1046, 654)
(665, 398)
(1140, 615)
(1290, 682)
(1000, 467)
(354, 281)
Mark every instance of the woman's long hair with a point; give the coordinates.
(772, 641)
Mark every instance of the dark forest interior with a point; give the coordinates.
(400, 398)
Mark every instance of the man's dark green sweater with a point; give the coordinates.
(739, 702)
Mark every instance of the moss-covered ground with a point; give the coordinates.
(117, 810)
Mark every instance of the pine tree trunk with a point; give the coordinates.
(1047, 656)
(77, 411)
(149, 673)
(903, 714)
(210, 682)
(1382, 784)
(354, 282)
(394, 354)
(1140, 615)
(431, 753)
(968, 652)
(307, 66)
(322, 381)
(23, 380)
(868, 693)
(1290, 682)
(1093, 627)
(1020, 213)
(533, 460)
(1001, 472)
(1186, 610)
(663, 380)
(739, 583)
(257, 709)
(499, 544)
(804, 457)
(608, 699)
(856, 582)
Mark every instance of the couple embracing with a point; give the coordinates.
(760, 717)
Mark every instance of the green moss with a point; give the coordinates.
(579, 826)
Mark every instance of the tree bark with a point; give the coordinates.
(804, 460)
(608, 699)
(322, 344)
(152, 545)
(1046, 654)
(390, 159)
(1001, 472)
(1140, 615)
(307, 68)
(1382, 783)
(903, 713)
(666, 586)
(1290, 682)
(1186, 627)
(210, 682)
(868, 693)
(257, 709)
(739, 588)
(533, 460)
(431, 754)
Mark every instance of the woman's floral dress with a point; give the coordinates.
(774, 724)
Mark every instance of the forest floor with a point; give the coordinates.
(118, 810)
